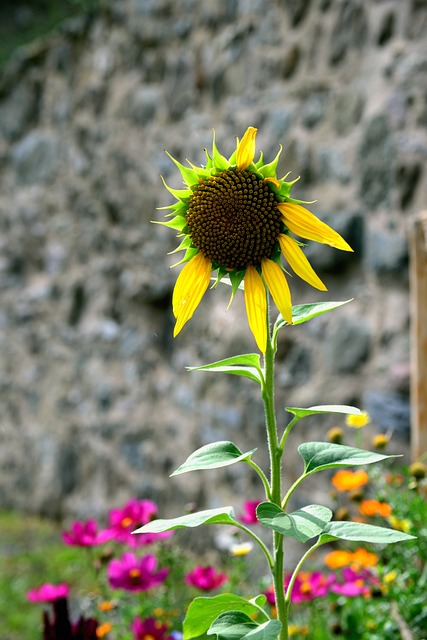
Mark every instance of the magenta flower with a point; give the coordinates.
(249, 514)
(355, 583)
(308, 586)
(85, 534)
(48, 592)
(149, 628)
(133, 515)
(205, 578)
(135, 574)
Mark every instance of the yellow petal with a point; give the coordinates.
(305, 224)
(297, 259)
(278, 287)
(190, 286)
(256, 306)
(246, 149)
(274, 181)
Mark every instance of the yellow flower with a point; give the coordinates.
(400, 525)
(380, 441)
(358, 421)
(241, 549)
(335, 435)
(390, 577)
(236, 218)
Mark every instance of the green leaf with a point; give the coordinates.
(236, 281)
(326, 408)
(213, 456)
(247, 365)
(203, 611)
(188, 174)
(300, 525)
(270, 170)
(318, 456)
(259, 600)
(305, 312)
(219, 161)
(223, 515)
(236, 625)
(360, 532)
(232, 625)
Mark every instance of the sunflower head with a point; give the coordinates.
(236, 218)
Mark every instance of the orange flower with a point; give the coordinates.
(345, 480)
(106, 605)
(374, 508)
(363, 558)
(103, 629)
(359, 558)
(338, 558)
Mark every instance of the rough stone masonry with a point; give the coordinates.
(95, 403)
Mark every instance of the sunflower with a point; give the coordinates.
(236, 218)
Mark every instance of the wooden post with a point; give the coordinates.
(418, 282)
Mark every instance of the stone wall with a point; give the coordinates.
(95, 402)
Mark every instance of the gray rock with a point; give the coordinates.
(35, 157)
(350, 30)
(386, 252)
(389, 411)
(348, 346)
(314, 109)
(18, 110)
(375, 159)
(347, 110)
(144, 103)
(331, 165)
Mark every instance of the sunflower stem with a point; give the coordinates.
(275, 453)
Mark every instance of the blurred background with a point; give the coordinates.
(95, 403)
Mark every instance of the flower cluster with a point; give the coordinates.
(316, 584)
(126, 570)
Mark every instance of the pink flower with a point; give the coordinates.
(205, 578)
(270, 595)
(149, 628)
(308, 586)
(355, 583)
(48, 592)
(85, 534)
(133, 515)
(135, 574)
(249, 514)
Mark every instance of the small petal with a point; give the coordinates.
(306, 225)
(299, 262)
(274, 181)
(278, 287)
(246, 149)
(256, 306)
(189, 289)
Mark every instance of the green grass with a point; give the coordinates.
(21, 21)
(31, 553)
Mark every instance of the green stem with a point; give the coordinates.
(258, 541)
(263, 477)
(287, 432)
(275, 453)
(292, 489)
(296, 571)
